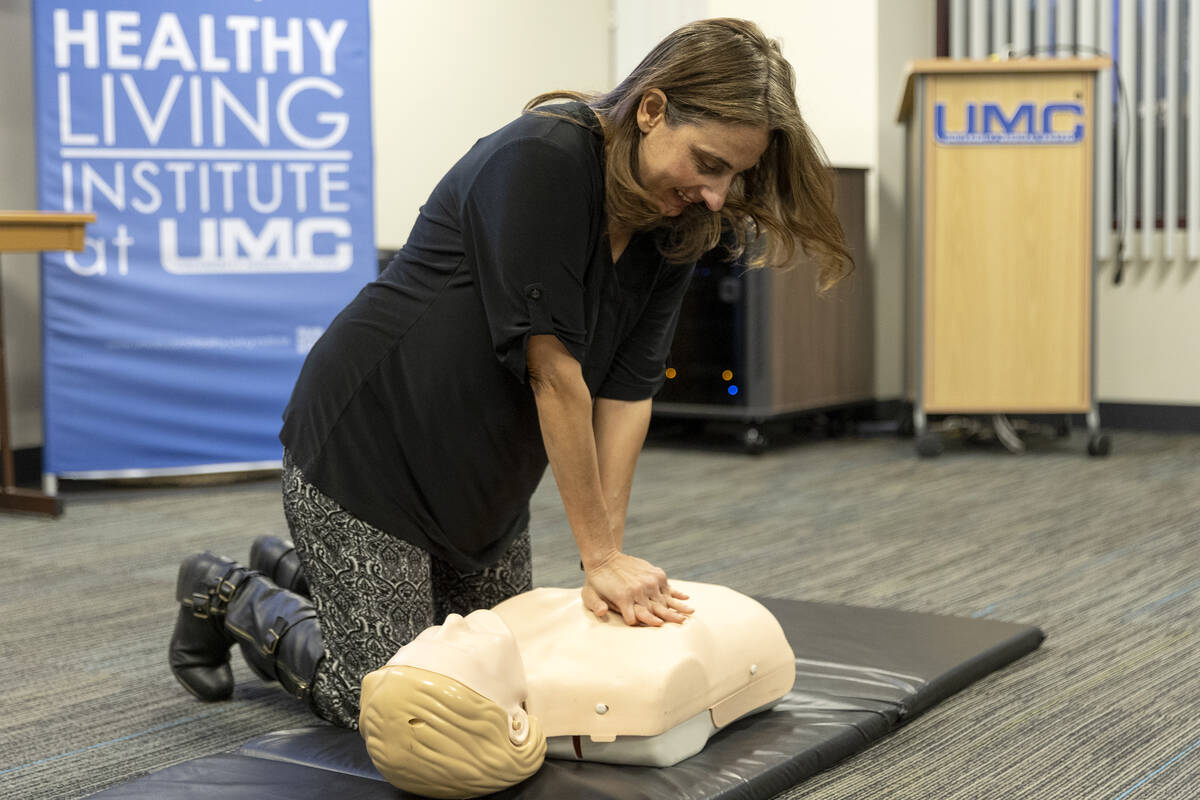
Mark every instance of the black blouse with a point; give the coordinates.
(413, 410)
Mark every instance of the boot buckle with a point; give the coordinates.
(200, 607)
(224, 591)
(274, 634)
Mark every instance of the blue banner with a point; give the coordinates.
(225, 148)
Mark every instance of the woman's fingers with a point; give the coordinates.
(594, 602)
(647, 617)
(649, 613)
(668, 614)
(672, 599)
(636, 589)
(679, 606)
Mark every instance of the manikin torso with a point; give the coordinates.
(604, 691)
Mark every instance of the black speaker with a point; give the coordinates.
(708, 356)
(753, 345)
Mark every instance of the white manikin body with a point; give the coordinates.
(604, 691)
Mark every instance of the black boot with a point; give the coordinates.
(277, 558)
(199, 653)
(222, 602)
(278, 633)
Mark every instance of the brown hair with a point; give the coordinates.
(726, 70)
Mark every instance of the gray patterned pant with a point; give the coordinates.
(374, 592)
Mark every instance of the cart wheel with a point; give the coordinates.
(930, 445)
(837, 425)
(1099, 445)
(754, 441)
(1062, 428)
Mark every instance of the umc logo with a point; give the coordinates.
(988, 123)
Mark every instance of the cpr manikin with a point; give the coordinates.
(555, 680)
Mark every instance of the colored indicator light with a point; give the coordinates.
(727, 375)
(671, 373)
(733, 390)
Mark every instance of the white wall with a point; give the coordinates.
(832, 48)
(830, 45)
(639, 25)
(446, 73)
(18, 190)
(1148, 340)
(906, 32)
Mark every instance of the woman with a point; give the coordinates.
(526, 321)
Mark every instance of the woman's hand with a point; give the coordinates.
(634, 588)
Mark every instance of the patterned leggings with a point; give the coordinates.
(374, 592)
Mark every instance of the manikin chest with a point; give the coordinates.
(607, 692)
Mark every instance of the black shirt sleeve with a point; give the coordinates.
(527, 228)
(637, 370)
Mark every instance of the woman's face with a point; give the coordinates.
(692, 163)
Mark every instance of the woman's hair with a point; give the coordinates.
(725, 70)
(429, 734)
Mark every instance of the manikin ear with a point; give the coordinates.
(518, 726)
(652, 110)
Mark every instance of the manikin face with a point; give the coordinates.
(692, 163)
(480, 652)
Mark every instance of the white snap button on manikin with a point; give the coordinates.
(754, 669)
(601, 708)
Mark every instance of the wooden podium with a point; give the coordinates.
(1000, 211)
(30, 232)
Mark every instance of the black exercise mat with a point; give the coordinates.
(860, 672)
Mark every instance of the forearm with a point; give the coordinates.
(620, 432)
(564, 407)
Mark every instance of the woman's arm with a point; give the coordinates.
(620, 427)
(564, 412)
(629, 585)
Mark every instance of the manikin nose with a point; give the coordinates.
(454, 622)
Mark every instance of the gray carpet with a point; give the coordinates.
(1103, 554)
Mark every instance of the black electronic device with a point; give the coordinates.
(759, 345)
(707, 364)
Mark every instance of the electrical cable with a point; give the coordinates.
(1007, 434)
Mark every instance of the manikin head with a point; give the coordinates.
(445, 716)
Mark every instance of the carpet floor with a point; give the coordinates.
(1103, 554)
